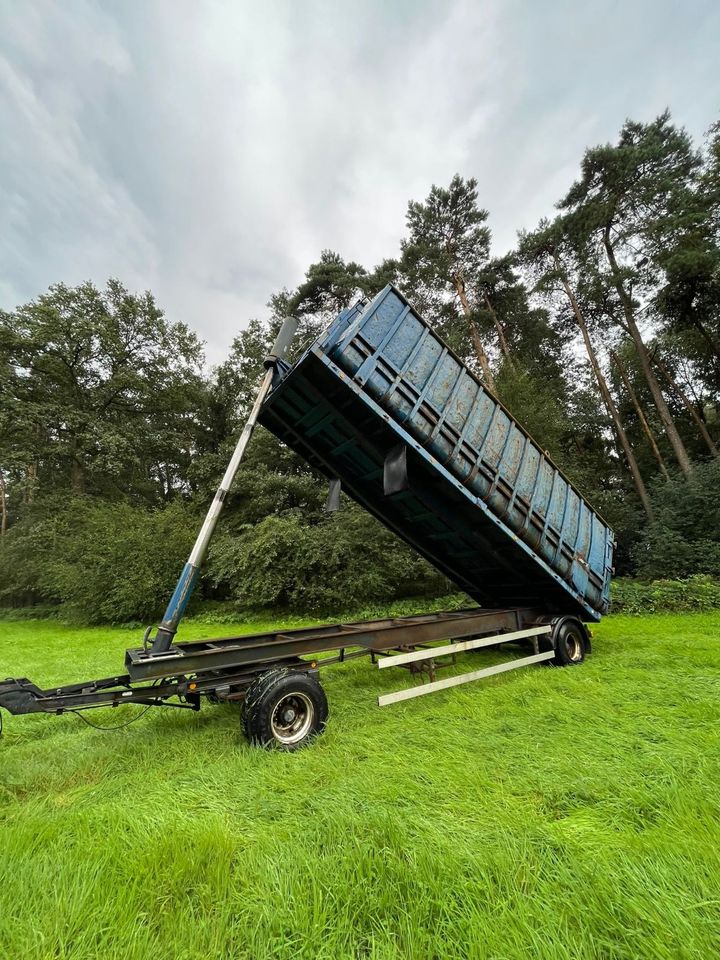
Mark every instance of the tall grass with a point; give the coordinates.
(546, 813)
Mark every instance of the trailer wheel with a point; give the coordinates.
(284, 709)
(570, 642)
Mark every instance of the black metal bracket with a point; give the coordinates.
(395, 471)
(332, 504)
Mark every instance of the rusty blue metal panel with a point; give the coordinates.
(483, 502)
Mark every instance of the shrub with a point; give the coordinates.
(335, 563)
(684, 537)
(665, 596)
(100, 562)
(105, 563)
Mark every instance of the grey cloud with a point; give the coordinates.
(209, 151)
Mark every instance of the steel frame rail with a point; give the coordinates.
(223, 668)
(378, 635)
(431, 653)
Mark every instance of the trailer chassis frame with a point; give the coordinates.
(221, 670)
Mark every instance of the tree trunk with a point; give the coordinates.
(502, 339)
(709, 340)
(482, 357)
(3, 506)
(607, 396)
(641, 416)
(687, 403)
(475, 333)
(31, 478)
(77, 476)
(644, 357)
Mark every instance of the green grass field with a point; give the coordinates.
(546, 813)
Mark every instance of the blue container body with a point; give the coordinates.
(482, 502)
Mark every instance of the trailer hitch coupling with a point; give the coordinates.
(19, 696)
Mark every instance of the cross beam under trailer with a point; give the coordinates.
(229, 668)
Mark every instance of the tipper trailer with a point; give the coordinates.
(383, 407)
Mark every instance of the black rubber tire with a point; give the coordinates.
(251, 695)
(305, 700)
(570, 642)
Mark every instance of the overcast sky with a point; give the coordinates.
(208, 151)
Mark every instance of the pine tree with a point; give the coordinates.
(545, 251)
(447, 247)
(621, 212)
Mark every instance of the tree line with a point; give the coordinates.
(600, 330)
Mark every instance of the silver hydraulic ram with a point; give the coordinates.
(191, 571)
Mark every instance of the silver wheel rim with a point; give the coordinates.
(573, 645)
(292, 718)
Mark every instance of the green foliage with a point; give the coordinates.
(665, 596)
(637, 189)
(446, 250)
(101, 392)
(103, 562)
(330, 285)
(224, 611)
(37, 611)
(684, 537)
(334, 563)
(537, 407)
(448, 238)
